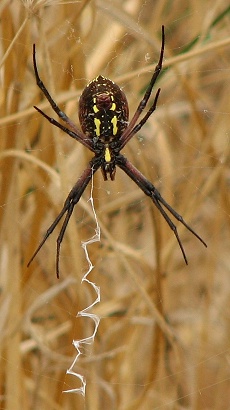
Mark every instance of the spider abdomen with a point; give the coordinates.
(103, 110)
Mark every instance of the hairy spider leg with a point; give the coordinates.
(149, 189)
(69, 204)
(128, 133)
(63, 128)
(76, 133)
(138, 126)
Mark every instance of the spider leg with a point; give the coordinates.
(69, 204)
(48, 233)
(138, 126)
(149, 189)
(128, 134)
(61, 235)
(77, 134)
(72, 134)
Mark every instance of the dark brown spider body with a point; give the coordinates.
(103, 115)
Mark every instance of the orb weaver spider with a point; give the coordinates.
(103, 115)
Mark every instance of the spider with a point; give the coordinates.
(103, 116)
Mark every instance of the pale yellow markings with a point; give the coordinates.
(114, 122)
(107, 155)
(114, 119)
(97, 123)
(95, 109)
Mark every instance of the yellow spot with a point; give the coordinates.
(113, 107)
(107, 155)
(97, 123)
(114, 122)
(95, 109)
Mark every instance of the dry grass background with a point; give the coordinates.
(163, 338)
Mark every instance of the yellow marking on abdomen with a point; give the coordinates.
(97, 123)
(113, 107)
(95, 109)
(114, 122)
(107, 155)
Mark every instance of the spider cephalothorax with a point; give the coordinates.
(103, 114)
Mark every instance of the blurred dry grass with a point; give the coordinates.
(163, 339)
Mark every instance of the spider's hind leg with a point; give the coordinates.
(70, 202)
(149, 189)
(47, 234)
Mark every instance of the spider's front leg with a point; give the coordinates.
(149, 189)
(69, 204)
(132, 128)
(75, 132)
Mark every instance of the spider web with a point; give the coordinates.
(79, 344)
